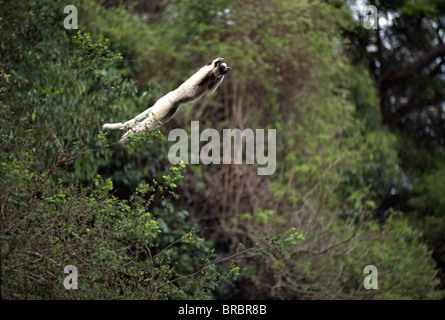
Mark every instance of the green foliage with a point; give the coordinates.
(114, 243)
(405, 268)
(405, 59)
(67, 83)
(428, 193)
(119, 247)
(58, 211)
(138, 228)
(427, 208)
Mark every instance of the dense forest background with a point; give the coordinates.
(360, 178)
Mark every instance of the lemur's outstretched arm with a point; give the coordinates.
(204, 82)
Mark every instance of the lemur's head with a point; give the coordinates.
(220, 67)
(223, 69)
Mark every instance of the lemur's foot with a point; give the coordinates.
(112, 126)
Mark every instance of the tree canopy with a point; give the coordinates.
(359, 118)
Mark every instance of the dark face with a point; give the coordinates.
(223, 68)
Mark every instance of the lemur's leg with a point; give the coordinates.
(129, 123)
(147, 124)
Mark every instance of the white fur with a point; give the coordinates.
(191, 91)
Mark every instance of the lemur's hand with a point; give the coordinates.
(217, 62)
(219, 68)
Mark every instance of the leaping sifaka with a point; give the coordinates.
(202, 83)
